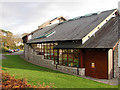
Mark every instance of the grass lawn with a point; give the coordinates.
(36, 74)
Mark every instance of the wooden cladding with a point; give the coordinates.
(96, 63)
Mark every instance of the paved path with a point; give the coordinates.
(15, 53)
(3, 57)
(113, 81)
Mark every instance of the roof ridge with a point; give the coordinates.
(84, 16)
(79, 17)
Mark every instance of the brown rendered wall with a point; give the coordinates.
(100, 58)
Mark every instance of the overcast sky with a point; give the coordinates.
(24, 17)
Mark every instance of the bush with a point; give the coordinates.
(10, 82)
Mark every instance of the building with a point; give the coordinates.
(86, 45)
(19, 43)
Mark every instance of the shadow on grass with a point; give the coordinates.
(15, 61)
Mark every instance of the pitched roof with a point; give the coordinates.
(106, 37)
(74, 29)
(41, 32)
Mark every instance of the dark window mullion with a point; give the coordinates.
(47, 50)
(67, 57)
(44, 50)
(62, 56)
(50, 51)
(73, 57)
(53, 55)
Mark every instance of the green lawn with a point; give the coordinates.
(36, 74)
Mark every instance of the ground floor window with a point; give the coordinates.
(49, 52)
(39, 48)
(45, 49)
(55, 56)
(67, 57)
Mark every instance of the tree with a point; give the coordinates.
(9, 40)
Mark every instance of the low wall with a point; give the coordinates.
(39, 60)
(72, 70)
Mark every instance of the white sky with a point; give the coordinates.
(24, 16)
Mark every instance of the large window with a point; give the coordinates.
(68, 57)
(42, 49)
(45, 51)
(64, 57)
(49, 51)
(38, 48)
(55, 56)
(35, 47)
(60, 56)
(76, 57)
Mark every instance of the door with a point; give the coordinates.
(96, 64)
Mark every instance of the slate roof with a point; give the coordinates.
(72, 29)
(106, 37)
(42, 31)
(76, 29)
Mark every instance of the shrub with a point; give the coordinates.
(10, 82)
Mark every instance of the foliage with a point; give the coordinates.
(21, 47)
(9, 81)
(36, 74)
(5, 31)
(9, 40)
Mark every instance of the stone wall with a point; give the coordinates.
(26, 51)
(72, 70)
(39, 60)
(116, 68)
